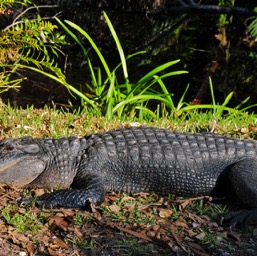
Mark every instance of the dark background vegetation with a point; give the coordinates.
(205, 45)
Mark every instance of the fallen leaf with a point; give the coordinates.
(151, 233)
(53, 252)
(68, 212)
(134, 233)
(45, 240)
(165, 213)
(19, 238)
(30, 248)
(191, 233)
(234, 235)
(155, 227)
(58, 221)
(130, 207)
(77, 233)
(180, 223)
(127, 198)
(114, 208)
(59, 242)
(198, 249)
(200, 236)
(37, 192)
(183, 205)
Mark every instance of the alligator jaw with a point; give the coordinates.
(20, 172)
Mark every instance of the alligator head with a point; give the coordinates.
(20, 163)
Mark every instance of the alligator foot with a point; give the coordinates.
(73, 198)
(245, 217)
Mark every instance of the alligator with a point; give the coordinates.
(133, 160)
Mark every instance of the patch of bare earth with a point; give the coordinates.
(122, 226)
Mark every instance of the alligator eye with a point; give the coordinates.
(8, 148)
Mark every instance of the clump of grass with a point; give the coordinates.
(130, 246)
(105, 93)
(82, 243)
(22, 222)
(50, 122)
(130, 211)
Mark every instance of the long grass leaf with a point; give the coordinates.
(227, 99)
(181, 100)
(212, 92)
(61, 81)
(165, 91)
(91, 41)
(119, 47)
(128, 57)
(143, 109)
(110, 98)
(141, 98)
(242, 103)
(208, 106)
(174, 73)
(156, 70)
(75, 38)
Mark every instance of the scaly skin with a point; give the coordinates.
(134, 160)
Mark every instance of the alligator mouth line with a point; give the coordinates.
(20, 172)
(8, 166)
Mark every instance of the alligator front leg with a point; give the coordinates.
(243, 177)
(93, 191)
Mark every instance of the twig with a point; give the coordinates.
(33, 7)
(21, 21)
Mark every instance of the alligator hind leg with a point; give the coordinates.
(243, 178)
(93, 191)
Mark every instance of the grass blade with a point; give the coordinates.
(156, 70)
(92, 43)
(119, 47)
(75, 38)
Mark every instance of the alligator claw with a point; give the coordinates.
(27, 200)
(40, 202)
(245, 217)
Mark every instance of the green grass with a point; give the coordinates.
(132, 247)
(85, 244)
(48, 122)
(110, 95)
(104, 92)
(25, 222)
(130, 210)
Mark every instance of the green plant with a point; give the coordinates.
(84, 243)
(105, 93)
(29, 41)
(133, 247)
(22, 222)
(112, 97)
(252, 28)
(218, 110)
